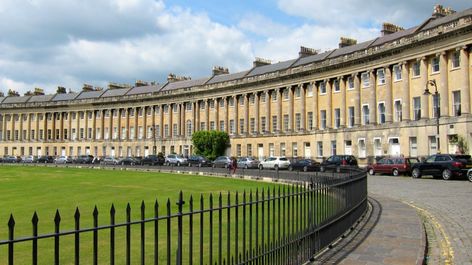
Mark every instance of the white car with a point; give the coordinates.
(175, 160)
(469, 174)
(275, 162)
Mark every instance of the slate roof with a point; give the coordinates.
(1, 99)
(443, 20)
(227, 77)
(271, 67)
(63, 97)
(89, 94)
(41, 98)
(312, 58)
(114, 92)
(13, 100)
(184, 84)
(144, 89)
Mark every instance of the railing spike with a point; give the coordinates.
(77, 214)
(57, 217)
(11, 221)
(112, 209)
(35, 218)
(95, 211)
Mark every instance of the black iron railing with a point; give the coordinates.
(288, 225)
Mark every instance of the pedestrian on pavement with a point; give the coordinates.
(234, 165)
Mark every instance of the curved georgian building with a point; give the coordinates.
(365, 99)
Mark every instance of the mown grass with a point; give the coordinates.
(25, 190)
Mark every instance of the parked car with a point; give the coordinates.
(443, 165)
(11, 159)
(127, 161)
(108, 160)
(177, 160)
(304, 165)
(248, 162)
(274, 162)
(29, 159)
(339, 163)
(153, 160)
(199, 161)
(63, 160)
(469, 174)
(84, 159)
(222, 161)
(45, 159)
(392, 165)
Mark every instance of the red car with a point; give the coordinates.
(392, 165)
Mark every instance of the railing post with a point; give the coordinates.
(77, 236)
(11, 233)
(180, 204)
(35, 221)
(156, 232)
(57, 221)
(142, 233)
(128, 234)
(112, 235)
(95, 236)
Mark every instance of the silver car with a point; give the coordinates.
(274, 162)
(175, 160)
(109, 161)
(63, 160)
(29, 159)
(248, 162)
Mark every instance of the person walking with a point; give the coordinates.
(234, 165)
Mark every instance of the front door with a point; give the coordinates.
(260, 151)
(394, 146)
(307, 150)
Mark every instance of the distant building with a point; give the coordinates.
(365, 99)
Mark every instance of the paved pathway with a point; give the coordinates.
(446, 209)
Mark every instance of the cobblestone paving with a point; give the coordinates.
(446, 208)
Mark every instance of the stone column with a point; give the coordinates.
(20, 129)
(315, 106)
(405, 91)
(388, 95)
(291, 115)
(161, 120)
(342, 85)
(196, 115)
(235, 114)
(443, 86)
(102, 124)
(28, 127)
(268, 112)
(217, 113)
(94, 124)
(179, 119)
(329, 110)
(53, 125)
(246, 114)
(373, 98)
(465, 87)
(171, 120)
(280, 118)
(226, 100)
(303, 107)
(424, 98)
(256, 113)
(110, 125)
(207, 114)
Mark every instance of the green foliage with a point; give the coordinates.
(210, 143)
(461, 143)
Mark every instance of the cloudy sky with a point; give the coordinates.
(50, 43)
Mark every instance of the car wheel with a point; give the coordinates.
(261, 167)
(395, 172)
(305, 169)
(416, 173)
(178, 164)
(447, 174)
(122, 163)
(290, 168)
(246, 167)
(322, 169)
(469, 176)
(276, 167)
(371, 172)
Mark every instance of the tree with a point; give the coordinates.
(210, 143)
(461, 144)
(61, 90)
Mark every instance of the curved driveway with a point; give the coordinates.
(445, 205)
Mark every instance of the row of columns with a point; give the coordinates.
(360, 97)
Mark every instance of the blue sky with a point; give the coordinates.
(50, 43)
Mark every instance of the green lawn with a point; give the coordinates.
(25, 189)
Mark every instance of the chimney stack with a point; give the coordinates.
(260, 62)
(219, 70)
(389, 28)
(304, 52)
(174, 78)
(344, 42)
(440, 11)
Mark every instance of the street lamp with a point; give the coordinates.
(436, 98)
